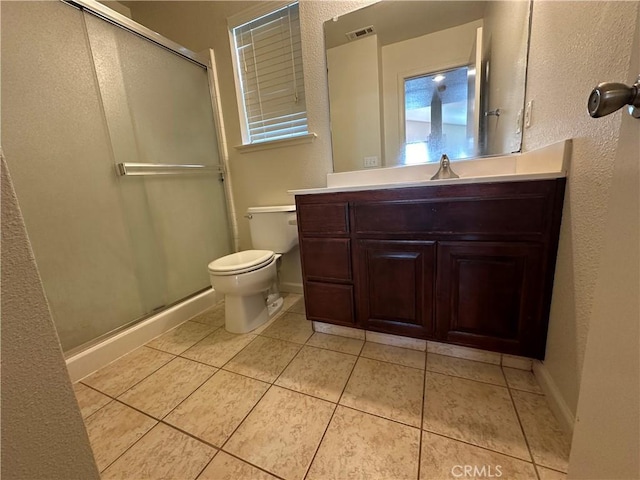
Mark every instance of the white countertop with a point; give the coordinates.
(432, 183)
(543, 164)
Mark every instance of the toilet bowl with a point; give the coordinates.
(246, 278)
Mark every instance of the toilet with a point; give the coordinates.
(248, 279)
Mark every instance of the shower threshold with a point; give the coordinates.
(91, 356)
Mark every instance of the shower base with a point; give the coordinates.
(104, 352)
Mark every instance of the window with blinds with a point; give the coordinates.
(269, 74)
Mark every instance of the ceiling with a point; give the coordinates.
(398, 20)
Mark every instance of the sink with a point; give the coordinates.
(544, 163)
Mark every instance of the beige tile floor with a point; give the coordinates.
(285, 402)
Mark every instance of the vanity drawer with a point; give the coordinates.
(327, 302)
(326, 258)
(507, 216)
(323, 218)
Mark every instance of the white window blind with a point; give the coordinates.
(269, 70)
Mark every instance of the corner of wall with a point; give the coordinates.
(43, 435)
(555, 399)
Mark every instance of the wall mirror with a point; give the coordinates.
(411, 80)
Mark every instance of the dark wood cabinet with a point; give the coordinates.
(396, 286)
(488, 295)
(332, 303)
(465, 264)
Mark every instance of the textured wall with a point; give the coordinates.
(574, 46)
(43, 436)
(606, 441)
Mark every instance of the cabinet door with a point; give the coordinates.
(395, 287)
(488, 296)
(326, 259)
(329, 303)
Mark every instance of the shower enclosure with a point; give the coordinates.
(85, 101)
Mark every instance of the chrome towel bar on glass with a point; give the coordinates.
(165, 169)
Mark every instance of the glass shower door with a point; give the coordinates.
(59, 158)
(158, 111)
(110, 250)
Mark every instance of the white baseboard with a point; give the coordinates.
(559, 407)
(97, 356)
(291, 287)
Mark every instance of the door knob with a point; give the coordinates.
(608, 97)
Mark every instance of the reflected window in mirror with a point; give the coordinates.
(438, 116)
(376, 53)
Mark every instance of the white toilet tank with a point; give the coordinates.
(273, 228)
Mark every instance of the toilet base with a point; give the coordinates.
(244, 313)
(274, 304)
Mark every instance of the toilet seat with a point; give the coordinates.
(241, 262)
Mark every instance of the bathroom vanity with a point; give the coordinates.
(465, 263)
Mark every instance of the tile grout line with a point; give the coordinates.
(249, 463)
(216, 448)
(220, 449)
(192, 345)
(299, 345)
(185, 432)
(331, 419)
(422, 409)
(377, 416)
(212, 333)
(315, 453)
(241, 350)
(289, 389)
(478, 446)
(363, 411)
(271, 385)
(206, 465)
(540, 393)
(160, 421)
(467, 378)
(289, 363)
(84, 419)
(307, 344)
(524, 434)
(391, 363)
(189, 395)
(499, 364)
(134, 443)
(241, 423)
(138, 382)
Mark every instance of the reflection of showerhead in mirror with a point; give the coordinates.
(608, 97)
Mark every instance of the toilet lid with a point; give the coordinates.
(241, 262)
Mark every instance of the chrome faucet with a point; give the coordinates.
(445, 169)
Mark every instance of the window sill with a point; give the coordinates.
(283, 142)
